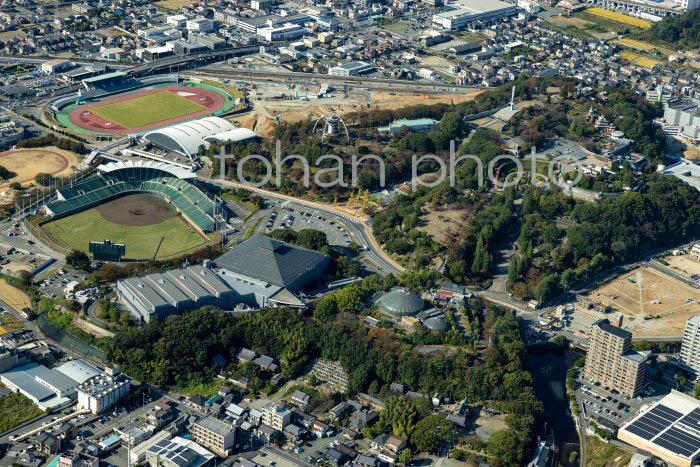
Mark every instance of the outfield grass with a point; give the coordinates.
(147, 109)
(76, 232)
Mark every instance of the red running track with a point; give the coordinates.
(84, 118)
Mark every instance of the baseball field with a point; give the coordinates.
(144, 223)
(147, 109)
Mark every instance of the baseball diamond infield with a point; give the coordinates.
(139, 111)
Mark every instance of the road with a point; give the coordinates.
(359, 230)
(396, 85)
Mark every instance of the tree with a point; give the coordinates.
(349, 299)
(505, 449)
(4, 173)
(43, 179)
(16, 186)
(406, 456)
(432, 433)
(78, 259)
(326, 308)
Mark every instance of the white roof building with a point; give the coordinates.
(187, 137)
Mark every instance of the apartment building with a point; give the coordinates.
(611, 361)
(276, 416)
(690, 348)
(215, 435)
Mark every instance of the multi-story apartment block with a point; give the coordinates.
(215, 435)
(690, 348)
(611, 361)
(276, 416)
(331, 373)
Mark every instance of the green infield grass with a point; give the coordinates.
(147, 109)
(76, 232)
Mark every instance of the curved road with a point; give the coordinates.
(358, 229)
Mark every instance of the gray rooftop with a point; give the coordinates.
(269, 260)
(605, 325)
(215, 425)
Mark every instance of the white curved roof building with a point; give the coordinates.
(237, 134)
(187, 137)
(79, 370)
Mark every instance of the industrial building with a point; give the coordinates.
(258, 272)
(668, 428)
(473, 14)
(350, 69)
(611, 361)
(418, 125)
(57, 387)
(171, 292)
(682, 119)
(102, 392)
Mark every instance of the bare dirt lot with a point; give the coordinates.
(648, 292)
(439, 224)
(575, 22)
(24, 164)
(261, 119)
(13, 296)
(136, 210)
(684, 264)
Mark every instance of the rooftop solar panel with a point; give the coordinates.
(679, 442)
(641, 432)
(666, 412)
(692, 419)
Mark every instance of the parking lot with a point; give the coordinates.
(599, 401)
(54, 285)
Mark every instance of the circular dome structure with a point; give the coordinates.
(401, 302)
(437, 324)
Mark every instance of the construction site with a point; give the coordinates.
(288, 102)
(651, 303)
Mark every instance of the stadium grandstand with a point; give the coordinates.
(113, 82)
(117, 179)
(187, 137)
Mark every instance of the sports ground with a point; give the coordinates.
(145, 109)
(648, 292)
(144, 223)
(24, 164)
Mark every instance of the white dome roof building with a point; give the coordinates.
(187, 137)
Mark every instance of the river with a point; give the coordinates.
(548, 370)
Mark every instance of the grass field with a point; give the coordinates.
(78, 230)
(601, 454)
(174, 5)
(639, 44)
(147, 109)
(640, 60)
(16, 409)
(620, 18)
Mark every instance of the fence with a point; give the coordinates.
(666, 270)
(68, 340)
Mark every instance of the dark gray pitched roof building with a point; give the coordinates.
(274, 262)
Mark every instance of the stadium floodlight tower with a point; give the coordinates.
(331, 126)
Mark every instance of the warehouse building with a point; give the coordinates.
(258, 272)
(668, 429)
(350, 69)
(171, 292)
(473, 14)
